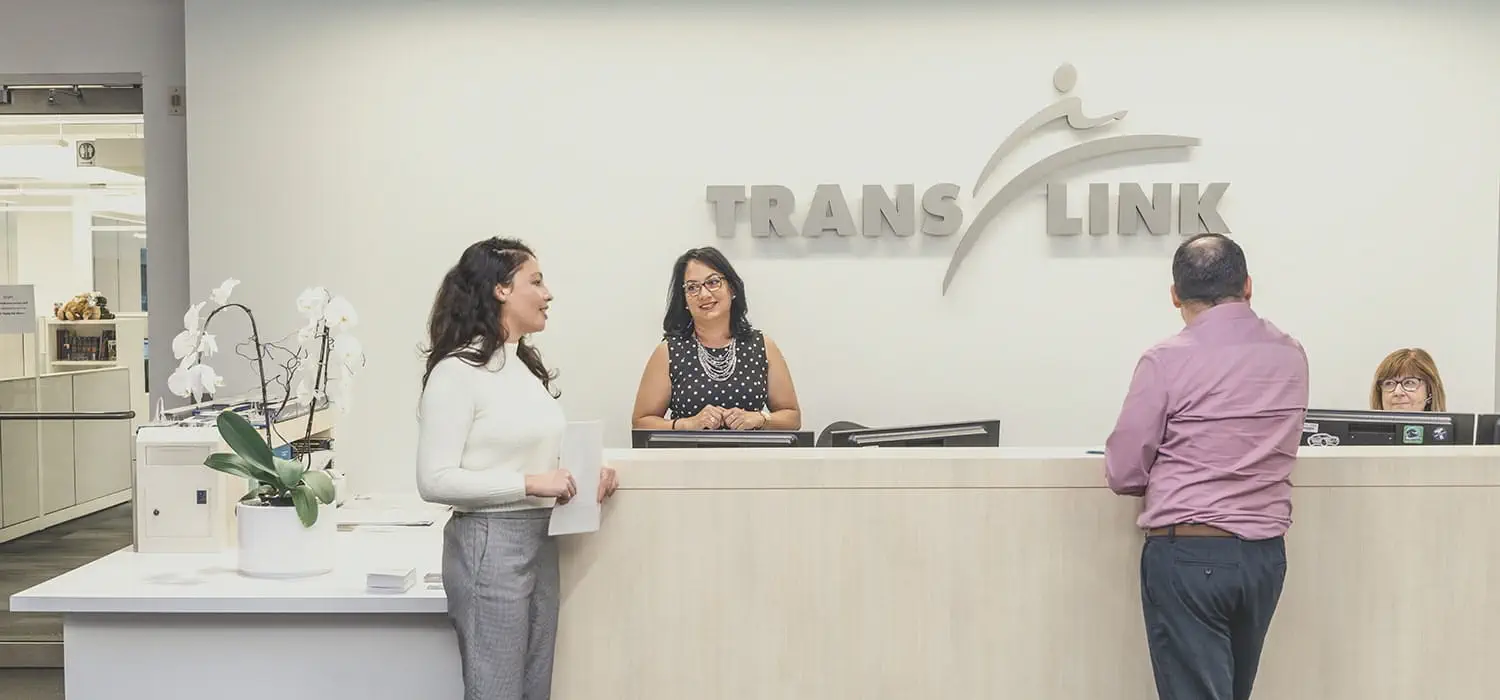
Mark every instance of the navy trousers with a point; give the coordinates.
(1208, 602)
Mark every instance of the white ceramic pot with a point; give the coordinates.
(274, 544)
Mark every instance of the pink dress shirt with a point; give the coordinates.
(1210, 426)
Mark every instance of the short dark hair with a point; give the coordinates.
(1209, 268)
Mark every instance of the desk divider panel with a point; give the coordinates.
(50, 466)
(20, 458)
(59, 477)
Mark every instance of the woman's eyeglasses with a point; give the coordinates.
(1409, 384)
(712, 284)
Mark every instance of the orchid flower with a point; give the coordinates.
(220, 295)
(328, 320)
(192, 377)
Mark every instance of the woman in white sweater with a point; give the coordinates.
(489, 433)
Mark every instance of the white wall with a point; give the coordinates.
(61, 37)
(8, 247)
(14, 347)
(107, 267)
(117, 267)
(1359, 145)
(49, 257)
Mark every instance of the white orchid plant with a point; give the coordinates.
(329, 319)
(325, 337)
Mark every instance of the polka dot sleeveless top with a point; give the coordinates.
(733, 376)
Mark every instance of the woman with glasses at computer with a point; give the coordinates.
(713, 370)
(1407, 380)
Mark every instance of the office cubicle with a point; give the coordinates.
(53, 470)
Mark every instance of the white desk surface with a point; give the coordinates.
(127, 582)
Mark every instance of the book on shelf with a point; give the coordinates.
(77, 347)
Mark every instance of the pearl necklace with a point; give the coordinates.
(717, 367)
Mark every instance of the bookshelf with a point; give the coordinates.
(74, 346)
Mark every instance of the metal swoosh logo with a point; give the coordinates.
(1071, 110)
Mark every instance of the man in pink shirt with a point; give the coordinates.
(1208, 435)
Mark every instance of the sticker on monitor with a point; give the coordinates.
(1322, 440)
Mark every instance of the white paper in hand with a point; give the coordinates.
(583, 456)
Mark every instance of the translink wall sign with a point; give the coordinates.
(939, 213)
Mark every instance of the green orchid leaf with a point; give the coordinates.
(242, 438)
(307, 505)
(320, 483)
(230, 464)
(236, 465)
(289, 473)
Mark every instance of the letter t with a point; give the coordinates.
(725, 198)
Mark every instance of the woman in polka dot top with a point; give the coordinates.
(713, 370)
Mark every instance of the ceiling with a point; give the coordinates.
(40, 171)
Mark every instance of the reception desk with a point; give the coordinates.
(843, 574)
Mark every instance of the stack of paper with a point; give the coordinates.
(390, 580)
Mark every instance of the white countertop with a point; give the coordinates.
(128, 582)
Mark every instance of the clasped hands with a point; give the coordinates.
(713, 418)
(559, 484)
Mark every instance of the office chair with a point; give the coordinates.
(825, 439)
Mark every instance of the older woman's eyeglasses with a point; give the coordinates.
(1409, 384)
(712, 284)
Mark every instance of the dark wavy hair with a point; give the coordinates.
(466, 310)
(678, 321)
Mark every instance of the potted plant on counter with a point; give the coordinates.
(284, 524)
(281, 533)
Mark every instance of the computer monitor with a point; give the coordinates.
(980, 433)
(1487, 429)
(1336, 428)
(652, 439)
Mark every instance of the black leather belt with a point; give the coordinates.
(1188, 530)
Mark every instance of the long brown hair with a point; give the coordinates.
(1410, 362)
(466, 310)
